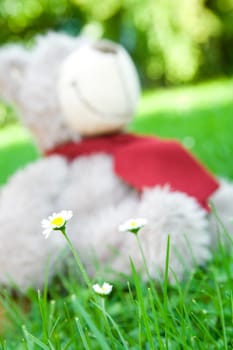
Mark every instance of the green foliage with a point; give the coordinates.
(171, 42)
(220, 50)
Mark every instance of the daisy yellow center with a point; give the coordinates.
(133, 224)
(58, 221)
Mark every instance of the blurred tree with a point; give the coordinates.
(171, 42)
(166, 38)
(221, 47)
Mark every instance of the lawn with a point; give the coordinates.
(194, 314)
(201, 117)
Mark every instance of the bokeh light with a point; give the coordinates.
(171, 42)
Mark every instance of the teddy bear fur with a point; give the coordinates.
(88, 186)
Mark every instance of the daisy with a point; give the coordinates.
(103, 290)
(56, 221)
(133, 225)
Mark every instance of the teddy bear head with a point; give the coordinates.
(66, 87)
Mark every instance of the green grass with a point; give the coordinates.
(16, 150)
(201, 117)
(194, 314)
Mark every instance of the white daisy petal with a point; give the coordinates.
(47, 232)
(133, 225)
(67, 214)
(45, 223)
(56, 221)
(103, 290)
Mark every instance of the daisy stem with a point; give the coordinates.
(108, 328)
(102, 300)
(143, 257)
(77, 259)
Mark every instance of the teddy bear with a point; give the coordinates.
(77, 96)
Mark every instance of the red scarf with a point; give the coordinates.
(147, 162)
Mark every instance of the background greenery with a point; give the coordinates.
(171, 42)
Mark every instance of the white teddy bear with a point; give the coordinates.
(68, 91)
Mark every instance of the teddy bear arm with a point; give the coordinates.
(13, 64)
(30, 196)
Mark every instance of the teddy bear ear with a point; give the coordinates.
(13, 63)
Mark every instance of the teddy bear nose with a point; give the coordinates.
(106, 47)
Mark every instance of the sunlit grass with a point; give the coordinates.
(16, 150)
(203, 123)
(194, 314)
(200, 116)
(184, 99)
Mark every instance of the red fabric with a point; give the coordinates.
(148, 161)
